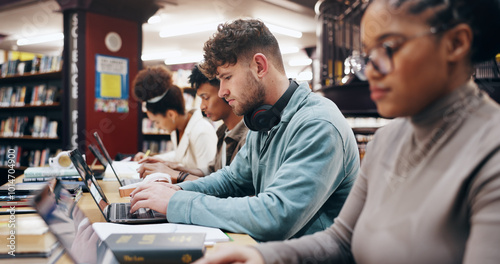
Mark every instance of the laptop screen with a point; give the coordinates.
(70, 225)
(103, 149)
(88, 176)
(98, 155)
(106, 154)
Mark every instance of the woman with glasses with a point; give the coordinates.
(429, 186)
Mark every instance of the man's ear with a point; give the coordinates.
(261, 64)
(459, 42)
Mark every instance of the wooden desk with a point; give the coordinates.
(88, 206)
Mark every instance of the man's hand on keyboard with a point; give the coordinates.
(154, 195)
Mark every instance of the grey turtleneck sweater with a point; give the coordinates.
(428, 192)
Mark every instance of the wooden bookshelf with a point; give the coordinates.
(19, 107)
(27, 77)
(30, 106)
(30, 138)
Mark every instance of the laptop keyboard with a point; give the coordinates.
(123, 212)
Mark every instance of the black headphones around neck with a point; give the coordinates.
(266, 117)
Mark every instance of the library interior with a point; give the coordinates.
(75, 123)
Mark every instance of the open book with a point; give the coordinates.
(124, 169)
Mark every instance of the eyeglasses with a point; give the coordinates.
(381, 56)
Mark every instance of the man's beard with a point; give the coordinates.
(254, 97)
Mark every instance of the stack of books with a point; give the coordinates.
(31, 237)
(38, 174)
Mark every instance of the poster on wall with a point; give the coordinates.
(111, 84)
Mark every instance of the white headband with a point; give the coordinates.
(158, 98)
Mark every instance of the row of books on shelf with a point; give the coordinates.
(360, 138)
(362, 122)
(157, 146)
(21, 95)
(488, 69)
(14, 126)
(149, 127)
(18, 126)
(42, 127)
(39, 64)
(21, 156)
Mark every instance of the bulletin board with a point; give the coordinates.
(111, 84)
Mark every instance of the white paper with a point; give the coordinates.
(124, 169)
(213, 235)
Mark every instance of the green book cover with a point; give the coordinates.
(49, 172)
(168, 248)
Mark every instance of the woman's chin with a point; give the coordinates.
(387, 111)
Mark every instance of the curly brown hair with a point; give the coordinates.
(239, 40)
(155, 81)
(151, 82)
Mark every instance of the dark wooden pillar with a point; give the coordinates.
(94, 29)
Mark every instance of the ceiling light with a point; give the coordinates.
(300, 62)
(184, 59)
(284, 31)
(160, 55)
(154, 19)
(40, 39)
(305, 76)
(289, 50)
(188, 29)
(191, 29)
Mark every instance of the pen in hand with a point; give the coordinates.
(147, 154)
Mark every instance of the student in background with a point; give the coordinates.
(298, 164)
(231, 134)
(429, 187)
(193, 136)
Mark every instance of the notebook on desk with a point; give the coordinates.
(106, 155)
(112, 212)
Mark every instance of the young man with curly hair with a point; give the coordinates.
(298, 164)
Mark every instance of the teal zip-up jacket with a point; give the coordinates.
(288, 182)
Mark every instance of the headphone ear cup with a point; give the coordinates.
(260, 119)
(267, 116)
(265, 120)
(248, 122)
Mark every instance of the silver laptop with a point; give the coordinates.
(70, 226)
(122, 182)
(112, 212)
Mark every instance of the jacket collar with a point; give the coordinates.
(295, 101)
